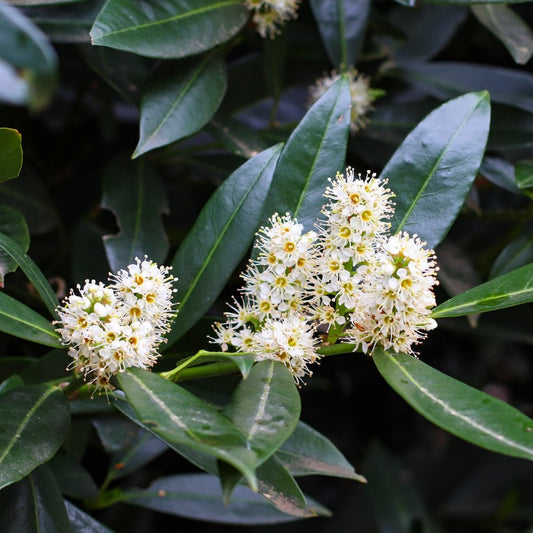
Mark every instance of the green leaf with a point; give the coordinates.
(220, 238)
(524, 174)
(115, 432)
(199, 496)
(433, 169)
(10, 383)
(513, 288)
(81, 522)
(12, 248)
(265, 407)
(168, 28)
(509, 28)
(342, 26)
(28, 72)
(517, 253)
(446, 79)
(456, 407)
(13, 225)
(20, 321)
(10, 154)
(49, 367)
(34, 422)
(307, 452)
(72, 477)
(34, 505)
(176, 415)
(179, 101)
(500, 172)
(132, 191)
(315, 151)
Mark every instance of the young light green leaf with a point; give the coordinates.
(513, 288)
(176, 415)
(10, 154)
(199, 496)
(307, 452)
(509, 28)
(13, 225)
(18, 253)
(167, 28)
(179, 101)
(132, 191)
(34, 505)
(265, 407)
(315, 151)
(456, 407)
(28, 71)
(35, 420)
(220, 238)
(342, 26)
(19, 320)
(433, 169)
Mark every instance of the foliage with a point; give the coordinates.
(171, 129)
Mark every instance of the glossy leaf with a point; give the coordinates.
(49, 367)
(20, 321)
(179, 101)
(34, 505)
(220, 238)
(35, 421)
(433, 169)
(307, 452)
(28, 73)
(199, 496)
(81, 522)
(265, 407)
(176, 415)
(342, 27)
(115, 432)
(10, 383)
(10, 154)
(27, 3)
(314, 152)
(513, 288)
(509, 28)
(500, 172)
(517, 253)
(446, 80)
(168, 28)
(13, 227)
(456, 407)
(132, 191)
(12, 248)
(72, 477)
(524, 174)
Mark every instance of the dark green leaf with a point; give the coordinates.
(307, 452)
(509, 28)
(28, 73)
(21, 321)
(265, 407)
(456, 407)
(463, 2)
(434, 168)
(179, 101)
(81, 522)
(176, 415)
(52, 366)
(342, 25)
(10, 383)
(34, 421)
(34, 505)
(10, 154)
(446, 80)
(132, 191)
(517, 253)
(524, 174)
(72, 477)
(13, 227)
(26, 3)
(199, 496)
(315, 151)
(513, 288)
(220, 238)
(397, 504)
(168, 28)
(500, 172)
(115, 432)
(17, 252)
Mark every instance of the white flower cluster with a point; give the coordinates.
(350, 281)
(269, 15)
(109, 328)
(361, 95)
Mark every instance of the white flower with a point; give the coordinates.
(361, 95)
(111, 328)
(269, 15)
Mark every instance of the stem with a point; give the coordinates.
(206, 371)
(337, 349)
